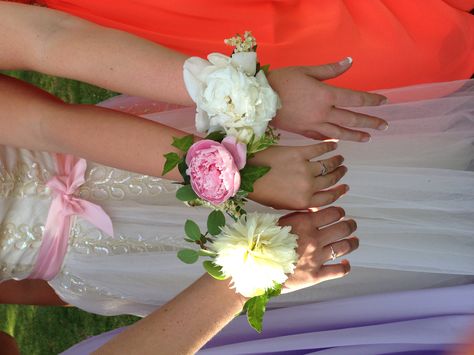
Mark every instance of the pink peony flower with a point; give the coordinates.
(214, 168)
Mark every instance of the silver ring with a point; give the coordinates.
(324, 170)
(333, 253)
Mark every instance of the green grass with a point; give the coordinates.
(50, 330)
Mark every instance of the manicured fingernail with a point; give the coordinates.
(365, 139)
(383, 126)
(346, 61)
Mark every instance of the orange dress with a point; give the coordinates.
(393, 42)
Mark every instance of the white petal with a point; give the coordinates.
(245, 61)
(202, 120)
(191, 69)
(219, 59)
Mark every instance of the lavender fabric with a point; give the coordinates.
(414, 322)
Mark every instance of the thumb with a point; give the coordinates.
(329, 71)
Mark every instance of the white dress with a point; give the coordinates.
(412, 194)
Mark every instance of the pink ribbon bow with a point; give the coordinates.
(63, 206)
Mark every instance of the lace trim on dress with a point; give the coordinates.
(19, 238)
(24, 180)
(92, 241)
(105, 183)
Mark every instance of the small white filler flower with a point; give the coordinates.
(256, 253)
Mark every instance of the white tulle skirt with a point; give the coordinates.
(412, 195)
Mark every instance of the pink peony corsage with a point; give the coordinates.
(213, 168)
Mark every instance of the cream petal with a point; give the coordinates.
(245, 61)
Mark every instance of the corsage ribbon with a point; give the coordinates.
(64, 205)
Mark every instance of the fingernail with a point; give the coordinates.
(346, 61)
(347, 266)
(383, 126)
(365, 139)
(347, 188)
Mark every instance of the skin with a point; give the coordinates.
(55, 43)
(204, 308)
(121, 140)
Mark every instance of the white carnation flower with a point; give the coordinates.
(256, 253)
(228, 95)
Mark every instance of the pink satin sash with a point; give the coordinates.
(63, 206)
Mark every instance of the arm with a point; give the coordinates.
(183, 325)
(44, 123)
(55, 43)
(204, 308)
(32, 292)
(51, 42)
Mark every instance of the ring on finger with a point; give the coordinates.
(333, 253)
(324, 169)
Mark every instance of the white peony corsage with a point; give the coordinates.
(231, 93)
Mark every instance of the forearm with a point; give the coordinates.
(33, 119)
(183, 325)
(31, 292)
(58, 44)
(111, 138)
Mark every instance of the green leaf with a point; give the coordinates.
(265, 68)
(275, 291)
(204, 252)
(186, 193)
(215, 221)
(213, 270)
(255, 310)
(172, 159)
(182, 167)
(183, 143)
(188, 256)
(192, 230)
(217, 136)
(249, 174)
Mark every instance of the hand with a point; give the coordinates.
(312, 108)
(294, 182)
(316, 235)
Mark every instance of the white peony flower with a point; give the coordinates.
(228, 95)
(256, 253)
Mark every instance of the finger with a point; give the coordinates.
(348, 118)
(336, 232)
(335, 131)
(327, 216)
(323, 182)
(341, 248)
(346, 97)
(328, 71)
(327, 197)
(315, 135)
(326, 165)
(333, 271)
(315, 150)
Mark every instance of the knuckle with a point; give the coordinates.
(328, 96)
